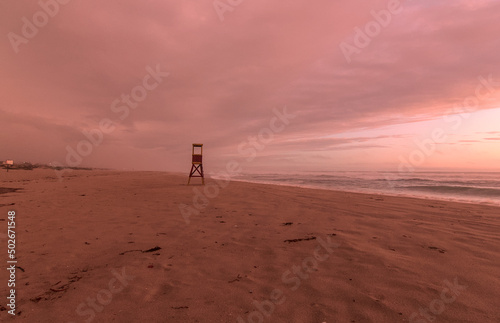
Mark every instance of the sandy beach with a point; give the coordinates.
(112, 246)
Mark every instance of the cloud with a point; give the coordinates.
(225, 78)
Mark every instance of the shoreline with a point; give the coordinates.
(215, 179)
(404, 195)
(423, 196)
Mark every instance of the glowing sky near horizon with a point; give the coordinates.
(368, 111)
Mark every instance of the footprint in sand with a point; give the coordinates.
(438, 249)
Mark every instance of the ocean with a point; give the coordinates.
(471, 187)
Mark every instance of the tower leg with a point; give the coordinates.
(190, 174)
(197, 169)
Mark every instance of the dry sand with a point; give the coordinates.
(367, 258)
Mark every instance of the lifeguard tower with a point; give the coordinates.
(197, 163)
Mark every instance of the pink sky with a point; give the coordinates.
(228, 70)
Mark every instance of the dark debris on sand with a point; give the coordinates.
(143, 251)
(300, 239)
(4, 190)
